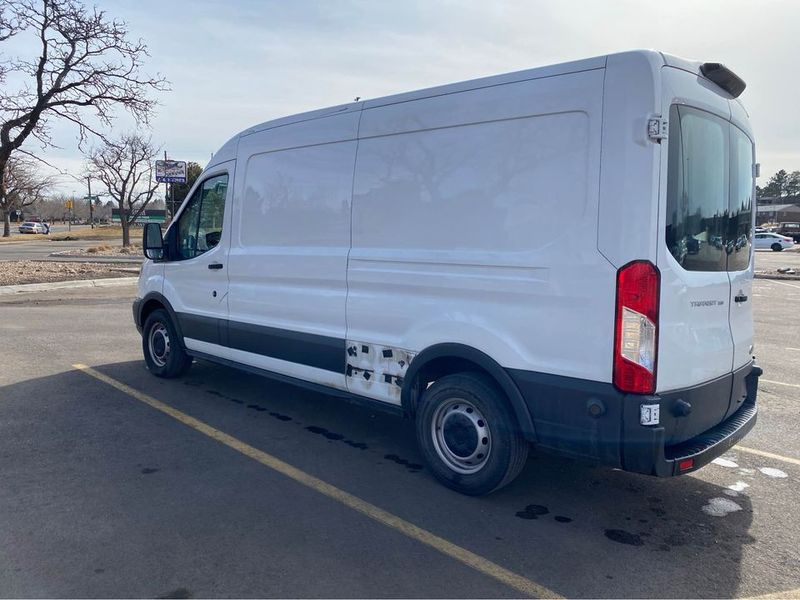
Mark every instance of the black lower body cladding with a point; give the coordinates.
(595, 421)
(137, 305)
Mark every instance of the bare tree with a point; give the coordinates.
(87, 66)
(127, 170)
(24, 187)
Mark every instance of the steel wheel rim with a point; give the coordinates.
(461, 436)
(158, 344)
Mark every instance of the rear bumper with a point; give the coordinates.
(595, 421)
(648, 452)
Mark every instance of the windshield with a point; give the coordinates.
(709, 192)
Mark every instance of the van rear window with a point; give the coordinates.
(709, 192)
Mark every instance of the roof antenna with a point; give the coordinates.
(357, 99)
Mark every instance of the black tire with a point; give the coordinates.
(776, 247)
(458, 417)
(163, 352)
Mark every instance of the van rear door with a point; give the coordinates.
(740, 260)
(695, 343)
(705, 254)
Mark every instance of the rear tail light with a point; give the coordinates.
(636, 328)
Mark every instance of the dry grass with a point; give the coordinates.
(20, 237)
(106, 250)
(99, 249)
(98, 233)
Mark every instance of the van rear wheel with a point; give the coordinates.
(776, 247)
(163, 353)
(468, 434)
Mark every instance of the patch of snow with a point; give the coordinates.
(736, 488)
(724, 462)
(720, 507)
(770, 472)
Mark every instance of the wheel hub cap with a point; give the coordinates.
(158, 344)
(461, 436)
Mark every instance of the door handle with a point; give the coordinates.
(215, 266)
(740, 298)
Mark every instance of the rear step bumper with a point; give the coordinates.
(594, 421)
(648, 453)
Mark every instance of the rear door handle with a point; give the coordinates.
(215, 266)
(740, 298)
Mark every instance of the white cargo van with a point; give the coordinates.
(559, 257)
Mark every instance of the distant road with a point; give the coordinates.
(38, 248)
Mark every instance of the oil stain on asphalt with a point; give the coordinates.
(532, 512)
(336, 437)
(624, 537)
(413, 467)
(178, 593)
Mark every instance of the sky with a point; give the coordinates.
(238, 63)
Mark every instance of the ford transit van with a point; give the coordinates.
(559, 257)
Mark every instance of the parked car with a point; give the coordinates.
(32, 227)
(773, 241)
(400, 251)
(791, 230)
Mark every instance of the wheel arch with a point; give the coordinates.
(446, 358)
(153, 301)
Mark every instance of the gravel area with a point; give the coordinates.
(28, 271)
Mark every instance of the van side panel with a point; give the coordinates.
(474, 222)
(288, 256)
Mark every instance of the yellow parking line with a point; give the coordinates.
(787, 459)
(762, 380)
(522, 584)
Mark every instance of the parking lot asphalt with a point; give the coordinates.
(104, 495)
(769, 260)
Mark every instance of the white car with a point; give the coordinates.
(32, 227)
(772, 241)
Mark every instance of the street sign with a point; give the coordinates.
(154, 215)
(68, 204)
(171, 171)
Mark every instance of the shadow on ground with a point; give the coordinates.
(77, 507)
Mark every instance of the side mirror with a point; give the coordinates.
(153, 241)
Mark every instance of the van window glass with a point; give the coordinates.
(187, 227)
(741, 212)
(211, 213)
(200, 223)
(697, 190)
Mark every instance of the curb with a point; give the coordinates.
(62, 285)
(100, 260)
(777, 276)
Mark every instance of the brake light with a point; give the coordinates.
(636, 328)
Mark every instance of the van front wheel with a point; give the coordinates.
(468, 434)
(162, 351)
